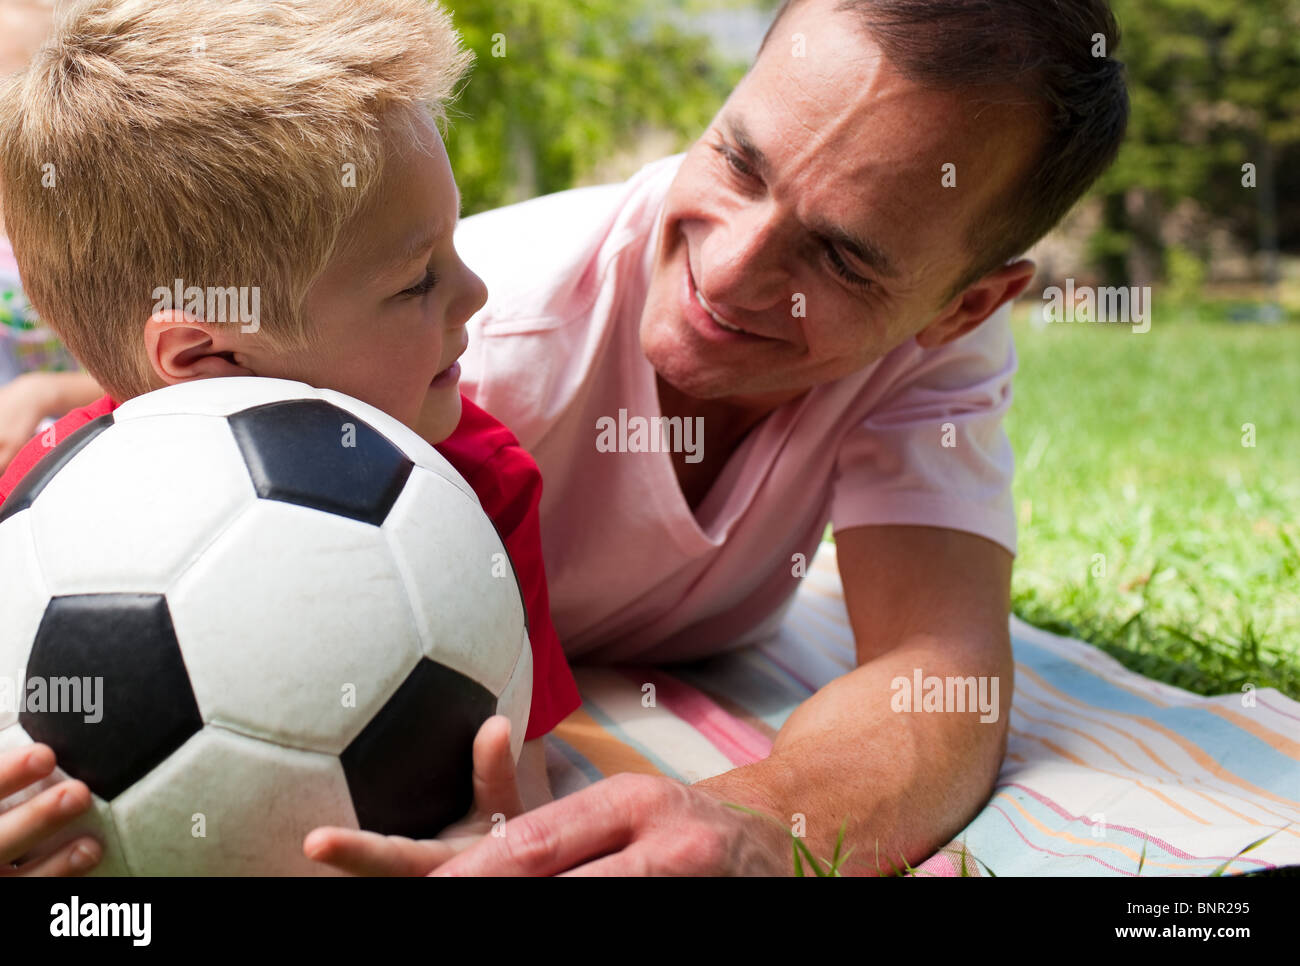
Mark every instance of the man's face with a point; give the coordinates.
(390, 309)
(812, 216)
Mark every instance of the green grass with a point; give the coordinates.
(1130, 446)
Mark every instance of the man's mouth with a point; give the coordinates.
(704, 304)
(722, 322)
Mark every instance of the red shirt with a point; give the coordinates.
(508, 485)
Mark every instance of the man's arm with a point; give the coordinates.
(917, 597)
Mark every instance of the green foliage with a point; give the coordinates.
(559, 87)
(1185, 272)
(1213, 85)
(801, 852)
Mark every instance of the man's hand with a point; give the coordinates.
(496, 791)
(634, 825)
(24, 827)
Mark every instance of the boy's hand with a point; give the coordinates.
(496, 790)
(32, 397)
(25, 826)
(24, 402)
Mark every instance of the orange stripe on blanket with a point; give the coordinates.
(606, 753)
(1076, 760)
(1193, 751)
(1276, 741)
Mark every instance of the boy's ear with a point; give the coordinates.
(181, 349)
(977, 303)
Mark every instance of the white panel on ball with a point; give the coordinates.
(516, 700)
(219, 396)
(23, 597)
(133, 509)
(276, 623)
(465, 596)
(404, 438)
(97, 822)
(223, 804)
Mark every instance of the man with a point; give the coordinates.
(816, 287)
(820, 288)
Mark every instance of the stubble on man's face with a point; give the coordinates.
(813, 215)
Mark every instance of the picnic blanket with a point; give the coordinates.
(1105, 770)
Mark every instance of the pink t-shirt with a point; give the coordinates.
(635, 575)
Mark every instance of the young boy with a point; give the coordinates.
(290, 145)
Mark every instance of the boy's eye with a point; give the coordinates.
(423, 286)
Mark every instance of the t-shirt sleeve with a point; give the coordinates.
(509, 486)
(34, 450)
(934, 452)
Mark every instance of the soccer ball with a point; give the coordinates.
(242, 608)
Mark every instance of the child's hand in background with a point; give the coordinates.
(496, 791)
(32, 397)
(26, 826)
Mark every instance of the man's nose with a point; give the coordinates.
(743, 262)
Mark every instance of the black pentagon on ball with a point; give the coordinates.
(26, 492)
(146, 706)
(314, 454)
(410, 771)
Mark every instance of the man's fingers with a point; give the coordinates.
(23, 827)
(368, 853)
(550, 839)
(75, 858)
(496, 786)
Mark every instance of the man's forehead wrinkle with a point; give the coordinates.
(787, 93)
(806, 179)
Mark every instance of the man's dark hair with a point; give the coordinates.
(1045, 49)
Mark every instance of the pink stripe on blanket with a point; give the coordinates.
(741, 744)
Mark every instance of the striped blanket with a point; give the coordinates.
(1106, 771)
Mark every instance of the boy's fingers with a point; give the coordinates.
(24, 827)
(75, 858)
(22, 766)
(368, 853)
(496, 788)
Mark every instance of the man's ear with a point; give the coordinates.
(181, 349)
(977, 303)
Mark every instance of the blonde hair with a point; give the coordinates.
(208, 141)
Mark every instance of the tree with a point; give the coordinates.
(1214, 84)
(559, 86)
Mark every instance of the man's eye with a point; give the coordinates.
(841, 269)
(423, 286)
(733, 159)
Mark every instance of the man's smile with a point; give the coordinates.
(706, 320)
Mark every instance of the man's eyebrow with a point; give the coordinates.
(863, 249)
(740, 134)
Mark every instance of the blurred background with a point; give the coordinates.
(1158, 474)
